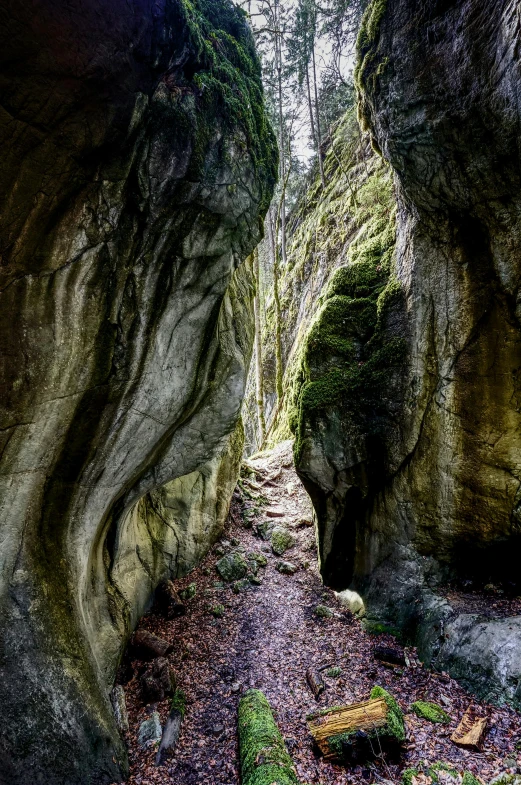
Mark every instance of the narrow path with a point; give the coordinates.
(267, 638)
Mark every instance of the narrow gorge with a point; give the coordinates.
(286, 395)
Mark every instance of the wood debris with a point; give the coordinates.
(365, 716)
(315, 683)
(471, 731)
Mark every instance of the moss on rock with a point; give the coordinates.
(368, 67)
(232, 567)
(323, 612)
(263, 756)
(347, 355)
(259, 558)
(281, 540)
(189, 593)
(430, 711)
(226, 82)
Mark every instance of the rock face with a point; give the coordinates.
(428, 485)
(136, 162)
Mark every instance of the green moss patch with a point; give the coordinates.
(281, 540)
(189, 593)
(217, 611)
(232, 567)
(178, 702)
(334, 673)
(323, 612)
(408, 774)
(395, 726)
(348, 356)
(259, 558)
(430, 711)
(222, 78)
(263, 756)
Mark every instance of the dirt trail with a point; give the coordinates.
(268, 637)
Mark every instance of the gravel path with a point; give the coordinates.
(267, 638)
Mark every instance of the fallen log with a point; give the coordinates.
(470, 732)
(168, 602)
(361, 731)
(172, 729)
(315, 683)
(389, 655)
(147, 646)
(263, 754)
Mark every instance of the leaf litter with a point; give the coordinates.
(268, 637)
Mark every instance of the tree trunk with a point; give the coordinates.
(317, 112)
(258, 351)
(310, 107)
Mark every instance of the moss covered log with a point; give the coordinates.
(263, 755)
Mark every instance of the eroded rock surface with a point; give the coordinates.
(429, 487)
(136, 161)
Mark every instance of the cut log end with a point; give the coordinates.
(471, 731)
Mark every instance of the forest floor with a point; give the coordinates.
(267, 638)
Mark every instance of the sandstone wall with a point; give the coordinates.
(136, 163)
(424, 484)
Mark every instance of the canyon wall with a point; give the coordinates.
(409, 435)
(137, 166)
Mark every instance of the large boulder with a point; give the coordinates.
(136, 162)
(422, 483)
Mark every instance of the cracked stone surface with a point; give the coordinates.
(125, 338)
(434, 491)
